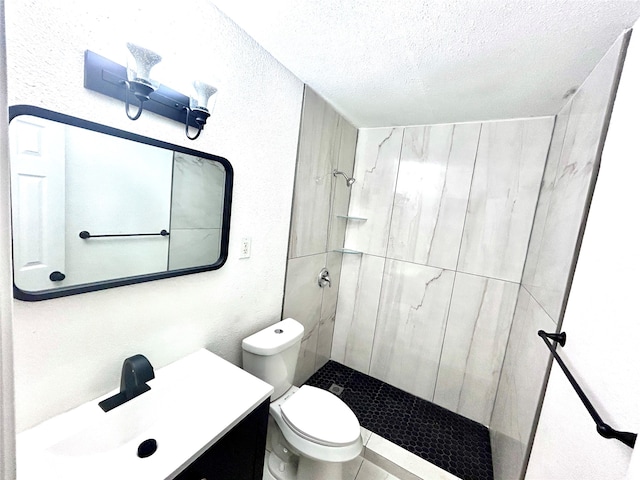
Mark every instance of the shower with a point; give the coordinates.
(350, 180)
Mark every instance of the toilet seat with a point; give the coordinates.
(321, 417)
(319, 445)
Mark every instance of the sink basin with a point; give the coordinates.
(192, 403)
(116, 428)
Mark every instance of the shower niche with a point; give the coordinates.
(94, 207)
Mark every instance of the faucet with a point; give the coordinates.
(136, 372)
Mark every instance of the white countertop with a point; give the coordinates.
(192, 403)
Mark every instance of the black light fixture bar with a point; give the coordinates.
(628, 438)
(107, 77)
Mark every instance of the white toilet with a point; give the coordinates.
(315, 432)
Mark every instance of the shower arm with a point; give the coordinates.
(350, 180)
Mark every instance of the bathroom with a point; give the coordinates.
(69, 350)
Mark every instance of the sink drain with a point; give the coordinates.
(147, 448)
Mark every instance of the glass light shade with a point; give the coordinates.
(201, 97)
(139, 65)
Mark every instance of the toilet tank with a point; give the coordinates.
(272, 354)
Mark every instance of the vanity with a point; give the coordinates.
(208, 419)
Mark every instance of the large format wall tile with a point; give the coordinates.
(559, 220)
(328, 309)
(341, 192)
(327, 142)
(474, 345)
(360, 285)
(544, 199)
(317, 152)
(376, 167)
(434, 177)
(521, 387)
(411, 322)
(303, 295)
(504, 191)
(307, 357)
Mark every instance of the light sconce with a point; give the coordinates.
(199, 106)
(109, 78)
(138, 80)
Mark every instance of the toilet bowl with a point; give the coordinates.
(313, 432)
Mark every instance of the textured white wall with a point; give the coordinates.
(7, 437)
(601, 319)
(70, 350)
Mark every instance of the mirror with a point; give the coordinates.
(94, 207)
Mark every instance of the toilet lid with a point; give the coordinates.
(320, 417)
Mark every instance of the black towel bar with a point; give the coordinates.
(84, 234)
(629, 439)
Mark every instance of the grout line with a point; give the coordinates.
(444, 336)
(395, 190)
(466, 210)
(375, 327)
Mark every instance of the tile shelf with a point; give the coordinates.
(347, 251)
(348, 217)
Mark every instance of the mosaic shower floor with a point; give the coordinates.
(435, 434)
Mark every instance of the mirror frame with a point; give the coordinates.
(18, 110)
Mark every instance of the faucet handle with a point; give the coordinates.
(324, 278)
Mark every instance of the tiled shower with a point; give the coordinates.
(466, 236)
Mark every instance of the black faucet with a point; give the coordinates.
(136, 372)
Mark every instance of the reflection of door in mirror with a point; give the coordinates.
(37, 169)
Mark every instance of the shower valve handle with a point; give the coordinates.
(323, 278)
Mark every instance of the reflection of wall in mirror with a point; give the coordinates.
(115, 186)
(196, 211)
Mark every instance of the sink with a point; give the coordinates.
(116, 428)
(192, 403)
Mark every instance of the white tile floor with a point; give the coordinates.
(383, 460)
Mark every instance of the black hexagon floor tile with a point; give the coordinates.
(444, 438)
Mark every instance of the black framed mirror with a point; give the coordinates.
(94, 207)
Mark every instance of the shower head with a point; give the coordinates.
(350, 180)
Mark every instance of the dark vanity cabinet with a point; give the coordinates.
(239, 455)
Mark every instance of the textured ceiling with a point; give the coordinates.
(412, 62)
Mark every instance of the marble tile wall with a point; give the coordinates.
(412, 318)
(426, 307)
(327, 142)
(568, 183)
(357, 310)
(375, 171)
(520, 391)
(427, 221)
(473, 351)
(317, 156)
(506, 182)
(560, 216)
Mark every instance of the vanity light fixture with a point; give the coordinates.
(139, 80)
(114, 80)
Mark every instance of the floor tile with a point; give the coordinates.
(370, 471)
(441, 437)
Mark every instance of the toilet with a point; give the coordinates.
(311, 431)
